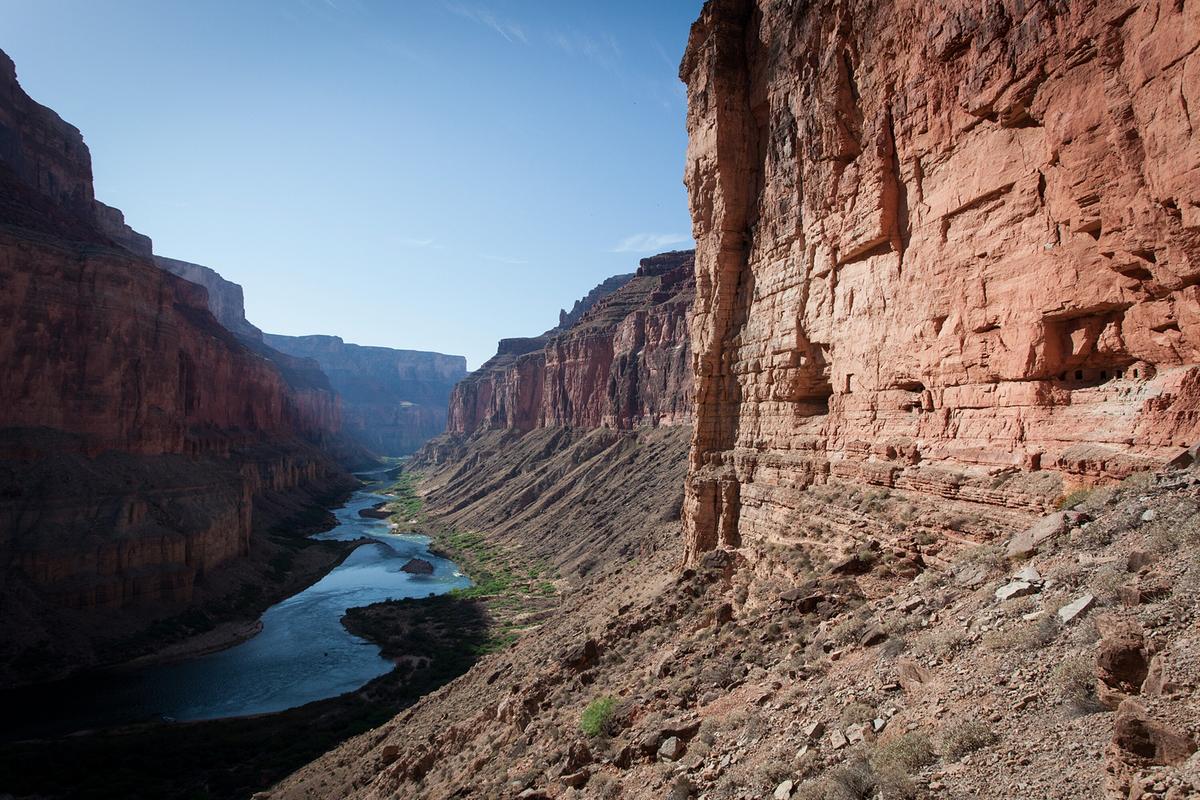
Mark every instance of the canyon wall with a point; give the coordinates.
(393, 401)
(625, 361)
(943, 248)
(137, 435)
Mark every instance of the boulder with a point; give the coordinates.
(1075, 610)
(672, 749)
(418, 566)
(580, 655)
(1015, 589)
(1135, 733)
(1026, 543)
(1122, 660)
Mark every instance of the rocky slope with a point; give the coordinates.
(393, 401)
(141, 444)
(622, 363)
(925, 258)
(1070, 674)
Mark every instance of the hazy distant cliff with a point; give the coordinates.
(393, 401)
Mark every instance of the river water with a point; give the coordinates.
(303, 652)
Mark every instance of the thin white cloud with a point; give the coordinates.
(419, 243)
(649, 242)
(602, 49)
(511, 31)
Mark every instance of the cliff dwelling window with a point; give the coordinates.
(1120, 374)
(1103, 375)
(1137, 373)
(849, 375)
(1078, 374)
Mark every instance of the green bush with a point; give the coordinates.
(597, 717)
(1074, 498)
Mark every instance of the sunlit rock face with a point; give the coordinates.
(625, 361)
(937, 241)
(139, 438)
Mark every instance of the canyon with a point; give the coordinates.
(889, 489)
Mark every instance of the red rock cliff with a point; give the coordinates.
(624, 362)
(937, 240)
(136, 433)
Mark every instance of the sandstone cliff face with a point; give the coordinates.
(393, 401)
(137, 434)
(936, 243)
(624, 362)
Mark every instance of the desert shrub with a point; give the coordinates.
(604, 785)
(894, 646)
(960, 737)
(1074, 498)
(853, 781)
(856, 714)
(597, 717)
(1075, 682)
(1025, 637)
(908, 751)
(1106, 584)
(894, 783)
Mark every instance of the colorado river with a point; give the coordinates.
(303, 653)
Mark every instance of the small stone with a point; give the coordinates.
(878, 724)
(1015, 589)
(837, 740)
(813, 730)
(874, 635)
(1148, 515)
(784, 790)
(672, 749)
(1073, 611)
(1029, 575)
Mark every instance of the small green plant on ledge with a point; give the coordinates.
(1075, 498)
(597, 717)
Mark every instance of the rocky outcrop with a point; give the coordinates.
(137, 435)
(393, 401)
(938, 243)
(226, 300)
(602, 290)
(624, 362)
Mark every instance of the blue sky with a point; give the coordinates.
(424, 174)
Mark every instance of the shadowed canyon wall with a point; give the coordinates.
(393, 401)
(941, 247)
(138, 437)
(623, 362)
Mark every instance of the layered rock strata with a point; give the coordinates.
(137, 435)
(938, 243)
(622, 363)
(393, 401)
